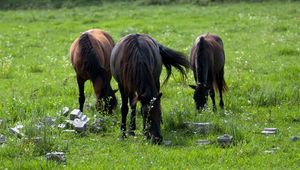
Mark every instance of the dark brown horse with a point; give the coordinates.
(136, 64)
(90, 57)
(207, 60)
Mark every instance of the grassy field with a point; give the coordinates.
(262, 71)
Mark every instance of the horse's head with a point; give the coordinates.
(108, 100)
(151, 111)
(200, 95)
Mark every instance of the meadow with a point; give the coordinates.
(262, 71)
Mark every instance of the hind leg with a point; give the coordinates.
(81, 97)
(212, 96)
(221, 84)
(132, 126)
(124, 110)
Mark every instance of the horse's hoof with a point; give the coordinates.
(122, 136)
(214, 108)
(157, 140)
(131, 133)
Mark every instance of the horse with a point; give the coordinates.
(90, 57)
(136, 64)
(207, 59)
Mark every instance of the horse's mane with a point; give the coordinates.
(138, 74)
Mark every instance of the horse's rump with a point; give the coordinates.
(90, 54)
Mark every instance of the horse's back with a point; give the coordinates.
(102, 44)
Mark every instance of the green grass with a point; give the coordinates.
(262, 71)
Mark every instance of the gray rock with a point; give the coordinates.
(268, 132)
(224, 140)
(49, 121)
(76, 113)
(39, 125)
(201, 128)
(79, 125)
(62, 126)
(271, 129)
(64, 111)
(56, 156)
(295, 138)
(69, 131)
(203, 142)
(19, 126)
(2, 139)
(37, 140)
(168, 142)
(272, 150)
(16, 131)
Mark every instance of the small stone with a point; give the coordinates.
(268, 132)
(201, 128)
(56, 156)
(168, 142)
(2, 139)
(271, 129)
(76, 113)
(203, 142)
(84, 118)
(79, 125)
(64, 111)
(16, 131)
(224, 140)
(39, 125)
(62, 126)
(269, 151)
(49, 121)
(1, 121)
(37, 140)
(69, 131)
(19, 126)
(295, 138)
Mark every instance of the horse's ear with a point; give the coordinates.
(193, 86)
(115, 91)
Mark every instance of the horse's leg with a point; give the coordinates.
(81, 97)
(212, 96)
(220, 86)
(124, 110)
(132, 115)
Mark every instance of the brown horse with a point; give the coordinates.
(136, 64)
(207, 60)
(90, 55)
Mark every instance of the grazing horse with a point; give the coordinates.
(90, 57)
(207, 60)
(136, 64)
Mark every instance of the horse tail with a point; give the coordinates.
(201, 68)
(173, 58)
(222, 86)
(91, 62)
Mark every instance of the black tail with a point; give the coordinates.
(91, 65)
(173, 58)
(202, 63)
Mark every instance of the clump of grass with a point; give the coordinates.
(36, 68)
(6, 67)
(288, 51)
